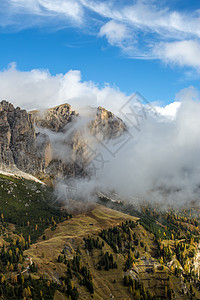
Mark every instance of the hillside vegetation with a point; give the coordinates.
(29, 206)
(98, 253)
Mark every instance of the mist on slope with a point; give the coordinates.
(156, 159)
(162, 160)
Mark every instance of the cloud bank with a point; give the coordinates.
(160, 162)
(164, 157)
(38, 89)
(157, 158)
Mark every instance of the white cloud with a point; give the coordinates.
(60, 10)
(143, 15)
(169, 111)
(161, 161)
(135, 28)
(182, 53)
(163, 153)
(149, 17)
(25, 5)
(39, 89)
(116, 33)
(173, 35)
(162, 21)
(69, 8)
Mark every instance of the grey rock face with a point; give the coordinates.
(106, 125)
(6, 156)
(54, 118)
(18, 139)
(24, 144)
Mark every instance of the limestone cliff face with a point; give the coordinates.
(6, 156)
(18, 140)
(61, 158)
(55, 118)
(26, 139)
(106, 125)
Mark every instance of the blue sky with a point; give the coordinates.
(148, 46)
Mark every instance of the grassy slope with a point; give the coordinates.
(15, 194)
(23, 201)
(70, 234)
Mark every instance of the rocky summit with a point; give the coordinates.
(18, 145)
(32, 141)
(55, 118)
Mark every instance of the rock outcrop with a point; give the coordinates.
(39, 143)
(106, 125)
(55, 118)
(18, 145)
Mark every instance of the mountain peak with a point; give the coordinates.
(26, 144)
(55, 118)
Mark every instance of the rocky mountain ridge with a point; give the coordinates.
(18, 145)
(28, 140)
(55, 118)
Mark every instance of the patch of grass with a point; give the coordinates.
(29, 205)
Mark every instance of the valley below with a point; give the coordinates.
(103, 250)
